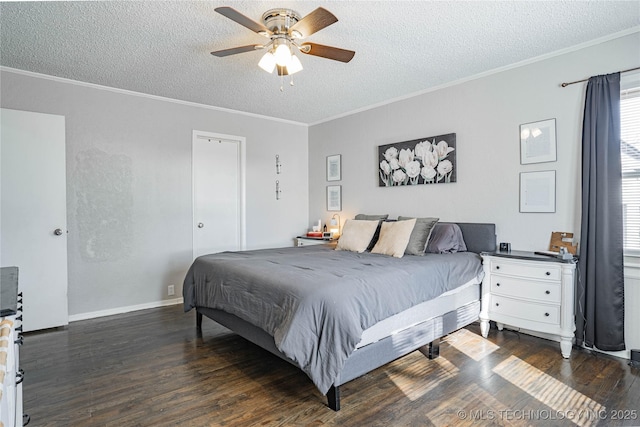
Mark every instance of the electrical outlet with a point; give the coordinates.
(171, 290)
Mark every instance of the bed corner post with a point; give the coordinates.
(198, 320)
(333, 397)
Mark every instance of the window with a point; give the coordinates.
(630, 150)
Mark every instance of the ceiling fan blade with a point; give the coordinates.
(329, 52)
(314, 22)
(239, 49)
(236, 16)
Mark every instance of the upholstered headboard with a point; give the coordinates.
(479, 237)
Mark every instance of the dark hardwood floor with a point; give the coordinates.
(150, 368)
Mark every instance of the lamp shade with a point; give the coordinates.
(268, 62)
(295, 65)
(283, 55)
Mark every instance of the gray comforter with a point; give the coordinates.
(315, 301)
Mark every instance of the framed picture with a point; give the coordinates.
(430, 160)
(334, 168)
(538, 191)
(538, 142)
(334, 197)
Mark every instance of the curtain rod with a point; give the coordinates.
(584, 80)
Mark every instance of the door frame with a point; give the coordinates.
(242, 191)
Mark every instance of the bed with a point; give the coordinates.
(337, 315)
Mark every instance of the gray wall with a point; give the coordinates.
(485, 114)
(129, 186)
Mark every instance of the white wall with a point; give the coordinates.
(129, 186)
(485, 114)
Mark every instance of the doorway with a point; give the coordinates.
(218, 165)
(33, 225)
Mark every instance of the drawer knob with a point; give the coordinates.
(547, 292)
(548, 273)
(497, 304)
(497, 284)
(546, 314)
(497, 267)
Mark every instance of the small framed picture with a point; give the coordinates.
(538, 142)
(538, 191)
(334, 197)
(334, 168)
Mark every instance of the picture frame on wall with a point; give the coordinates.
(334, 167)
(538, 142)
(538, 191)
(423, 161)
(334, 197)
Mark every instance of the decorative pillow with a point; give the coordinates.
(419, 235)
(380, 218)
(394, 237)
(446, 238)
(356, 235)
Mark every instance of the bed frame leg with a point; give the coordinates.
(434, 349)
(431, 350)
(198, 321)
(333, 397)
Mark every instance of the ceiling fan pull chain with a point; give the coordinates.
(291, 82)
(281, 83)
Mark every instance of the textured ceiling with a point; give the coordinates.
(402, 47)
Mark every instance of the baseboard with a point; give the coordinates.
(121, 310)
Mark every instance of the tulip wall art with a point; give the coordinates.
(421, 161)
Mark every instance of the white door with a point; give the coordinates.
(33, 223)
(218, 193)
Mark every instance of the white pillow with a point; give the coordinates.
(356, 235)
(394, 238)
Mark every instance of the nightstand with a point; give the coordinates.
(309, 241)
(529, 292)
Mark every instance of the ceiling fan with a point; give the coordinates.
(285, 29)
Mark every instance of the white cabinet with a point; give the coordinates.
(529, 292)
(11, 375)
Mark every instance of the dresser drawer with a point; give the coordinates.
(525, 310)
(548, 292)
(541, 270)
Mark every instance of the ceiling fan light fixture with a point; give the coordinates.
(268, 62)
(295, 65)
(283, 55)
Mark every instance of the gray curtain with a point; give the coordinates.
(600, 293)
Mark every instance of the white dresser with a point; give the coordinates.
(531, 293)
(11, 375)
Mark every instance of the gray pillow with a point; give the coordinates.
(380, 218)
(446, 238)
(420, 234)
